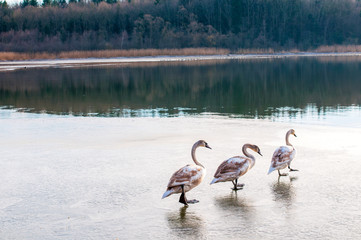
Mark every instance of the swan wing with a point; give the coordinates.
(282, 156)
(235, 166)
(187, 175)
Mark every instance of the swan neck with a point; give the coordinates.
(195, 146)
(247, 154)
(287, 141)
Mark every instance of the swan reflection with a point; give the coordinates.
(283, 191)
(186, 223)
(238, 205)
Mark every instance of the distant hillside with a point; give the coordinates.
(233, 24)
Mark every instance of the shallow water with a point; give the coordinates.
(103, 178)
(68, 175)
(279, 88)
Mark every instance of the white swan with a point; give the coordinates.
(187, 177)
(283, 156)
(231, 169)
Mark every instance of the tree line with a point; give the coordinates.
(60, 25)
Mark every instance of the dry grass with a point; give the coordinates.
(13, 56)
(264, 51)
(339, 48)
(321, 49)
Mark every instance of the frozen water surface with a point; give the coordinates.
(98, 164)
(103, 178)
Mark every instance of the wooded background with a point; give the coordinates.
(58, 25)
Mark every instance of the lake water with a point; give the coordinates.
(275, 88)
(87, 152)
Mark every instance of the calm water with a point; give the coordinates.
(69, 177)
(269, 88)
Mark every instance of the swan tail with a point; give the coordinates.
(167, 193)
(215, 180)
(271, 169)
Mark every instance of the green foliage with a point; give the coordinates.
(234, 24)
(33, 3)
(25, 3)
(3, 4)
(46, 3)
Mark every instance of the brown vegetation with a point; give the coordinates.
(264, 26)
(338, 48)
(13, 56)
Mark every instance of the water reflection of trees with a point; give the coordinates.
(250, 88)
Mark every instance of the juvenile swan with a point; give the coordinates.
(283, 156)
(187, 177)
(233, 168)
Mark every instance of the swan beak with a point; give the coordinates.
(294, 134)
(207, 146)
(259, 152)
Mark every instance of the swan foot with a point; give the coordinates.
(183, 199)
(192, 201)
(237, 186)
(292, 170)
(282, 174)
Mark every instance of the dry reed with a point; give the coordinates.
(14, 56)
(338, 48)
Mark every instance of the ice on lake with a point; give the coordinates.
(67, 177)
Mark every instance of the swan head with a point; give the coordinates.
(291, 131)
(256, 149)
(202, 143)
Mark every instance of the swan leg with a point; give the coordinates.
(183, 199)
(291, 169)
(282, 174)
(237, 186)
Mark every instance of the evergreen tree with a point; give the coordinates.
(59, 3)
(62, 3)
(33, 3)
(111, 1)
(46, 3)
(25, 3)
(97, 1)
(234, 24)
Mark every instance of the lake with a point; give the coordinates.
(87, 152)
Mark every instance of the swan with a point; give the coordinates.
(231, 169)
(187, 177)
(283, 156)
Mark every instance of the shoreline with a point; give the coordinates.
(113, 61)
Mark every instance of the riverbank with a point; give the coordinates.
(84, 62)
(19, 56)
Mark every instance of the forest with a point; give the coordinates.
(59, 25)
